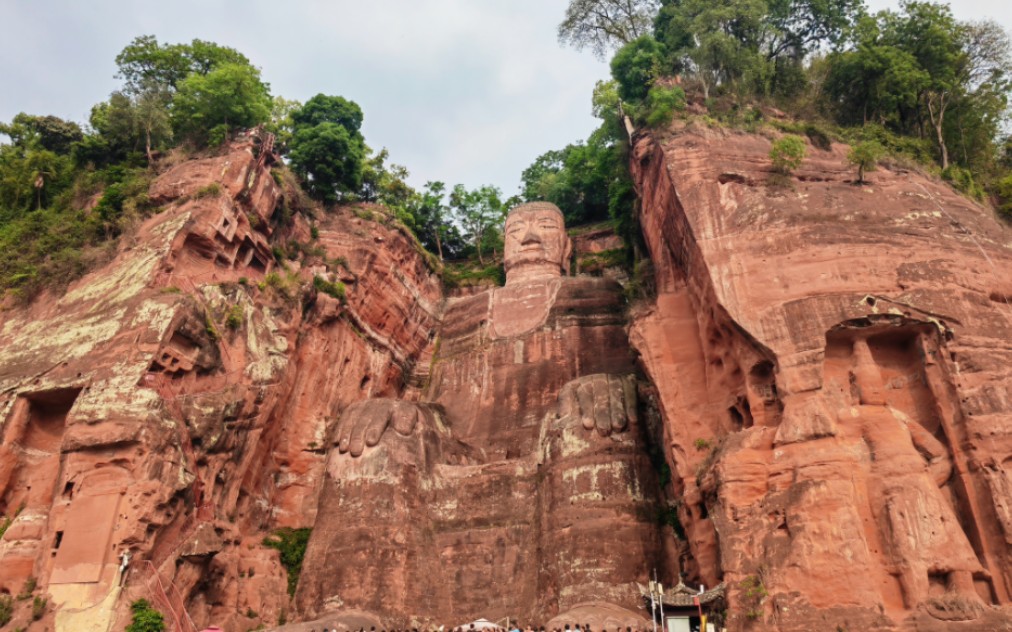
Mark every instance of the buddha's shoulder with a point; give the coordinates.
(588, 286)
(466, 313)
(580, 288)
(572, 297)
(589, 294)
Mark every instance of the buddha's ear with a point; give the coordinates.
(567, 253)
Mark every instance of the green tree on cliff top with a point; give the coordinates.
(327, 148)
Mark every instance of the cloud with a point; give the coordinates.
(466, 91)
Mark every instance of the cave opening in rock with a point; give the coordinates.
(938, 583)
(741, 414)
(47, 416)
(257, 263)
(761, 379)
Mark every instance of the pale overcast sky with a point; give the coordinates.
(467, 91)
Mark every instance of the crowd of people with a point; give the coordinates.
(494, 628)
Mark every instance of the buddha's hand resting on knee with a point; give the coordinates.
(601, 401)
(363, 423)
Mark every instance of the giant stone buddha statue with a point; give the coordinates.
(519, 483)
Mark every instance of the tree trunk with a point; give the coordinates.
(941, 144)
(40, 182)
(439, 245)
(147, 143)
(962, 141)
(936, 122)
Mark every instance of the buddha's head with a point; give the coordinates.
(537, 245)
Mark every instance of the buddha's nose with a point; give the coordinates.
(530, 237)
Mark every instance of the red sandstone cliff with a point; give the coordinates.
(829, 364)
(832, 363)
(174, 403)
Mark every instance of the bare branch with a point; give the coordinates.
(603, 25)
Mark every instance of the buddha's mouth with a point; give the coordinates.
(534, 255)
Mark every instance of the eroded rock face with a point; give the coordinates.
(171, 409)
(832, 366)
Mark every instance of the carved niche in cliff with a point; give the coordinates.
(894, 395)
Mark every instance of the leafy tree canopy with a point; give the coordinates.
(636, 65)
(918, 69)
(751, 44)
(282, 124)
(329, 152)
(206, 108)
(329, 109)
(48, 132)
(589, 181)
(386, 183)
(434, 223)
(480, 212)
(329, 158)
(144, 60)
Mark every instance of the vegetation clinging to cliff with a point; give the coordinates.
(291, 543)
(145, 618)
(67, 192)
(589, 181)
(915, 82)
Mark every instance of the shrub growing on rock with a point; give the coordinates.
(6, 609)
(145, 618)
(292, 545)
(865, 156)
(334, 289)
(39, 605)
(662, 102)
(962, 179)
(1004, 191)
(787, 154)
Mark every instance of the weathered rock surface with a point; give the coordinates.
(832, 363)
(824, 369)
(173, 405)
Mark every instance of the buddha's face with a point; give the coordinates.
(536, 237)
